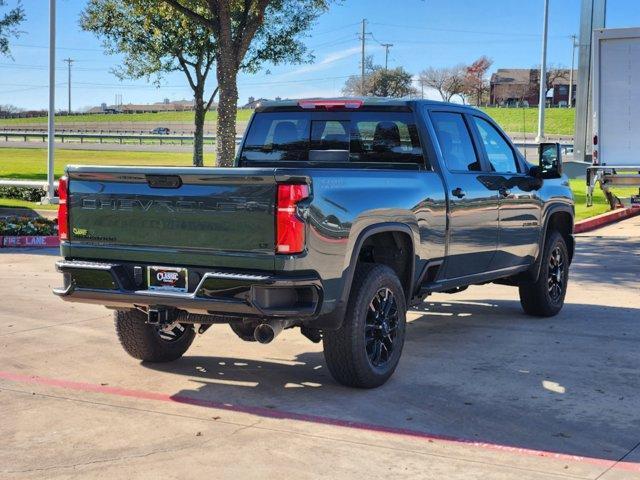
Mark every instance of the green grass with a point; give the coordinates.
(31, 163)
(558, 121)
(15, 203)
(159, 117)
(600, 204)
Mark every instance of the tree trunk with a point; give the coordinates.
(226, 127)
(198, 140)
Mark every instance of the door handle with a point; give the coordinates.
(504, 193)
(458, 192)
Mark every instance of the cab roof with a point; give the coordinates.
(349, 103)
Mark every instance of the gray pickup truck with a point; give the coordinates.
(338, 216)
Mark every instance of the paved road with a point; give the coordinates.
(481, 392)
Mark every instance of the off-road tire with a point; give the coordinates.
(345, 349)
(143, 341)
(535, 297)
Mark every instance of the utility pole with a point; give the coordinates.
(542, 99)
(69, 61)
(386, 46)
(573, 62)
(50, 198)
(363, 36)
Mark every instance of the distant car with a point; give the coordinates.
(161, 131)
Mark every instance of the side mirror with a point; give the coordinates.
(550, 160)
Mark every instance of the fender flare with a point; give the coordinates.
(334, 319)
(558, 208)
(357, 246)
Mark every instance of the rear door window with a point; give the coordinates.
(354, 137)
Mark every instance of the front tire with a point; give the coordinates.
(365, 351)
(545, 296)
(152, 343)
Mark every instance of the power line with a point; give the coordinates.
(46, 47)
(343, 27)
(475, 32)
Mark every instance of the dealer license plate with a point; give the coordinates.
(168, 279)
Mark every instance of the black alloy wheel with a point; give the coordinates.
(381, 328)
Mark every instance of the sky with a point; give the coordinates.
(423, 33)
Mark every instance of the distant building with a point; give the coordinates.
(520, 87)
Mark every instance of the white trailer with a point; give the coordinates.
(616, 111)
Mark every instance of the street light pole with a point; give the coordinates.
(573, 62)
(50, 198)
(542, 99)
(364, 26)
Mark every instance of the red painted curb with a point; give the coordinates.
(310, 418)
(605, 219)
(41, 241)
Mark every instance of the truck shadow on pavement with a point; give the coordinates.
(474, 370)
(598, 261)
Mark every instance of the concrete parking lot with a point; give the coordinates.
(482, 390)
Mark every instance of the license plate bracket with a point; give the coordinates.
(167, 279)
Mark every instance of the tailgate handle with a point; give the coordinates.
(164, 181)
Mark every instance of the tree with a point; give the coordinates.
(8, 108)
(448, 81)
(475, 83)
(381, 82)
(9, 22)
(247, 34)
(155, 42)
(553, 75)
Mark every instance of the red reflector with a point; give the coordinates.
(313, 104)
(289, 227)
(595, 157)
(63, 212)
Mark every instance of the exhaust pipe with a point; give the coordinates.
(266, 332)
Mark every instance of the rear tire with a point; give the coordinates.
(150, 343)
(364, 352)
(545, 296)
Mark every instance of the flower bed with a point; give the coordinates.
(23, 231)
(29, 226)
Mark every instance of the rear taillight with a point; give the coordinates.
(63, 211)
(289, 227)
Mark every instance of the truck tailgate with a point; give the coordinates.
(172, 211)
